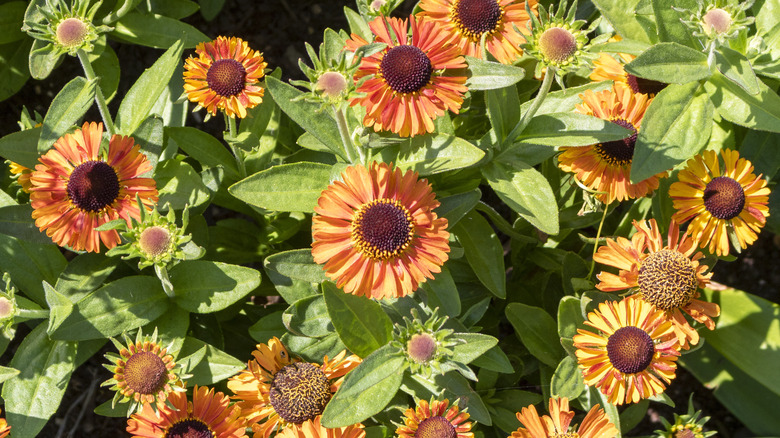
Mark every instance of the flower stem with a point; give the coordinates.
(349, 146)
(526, 119)
(33, 313)
(231, 123)
(162, 274)
(99, 98)
(596, 243)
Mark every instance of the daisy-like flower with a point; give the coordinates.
(275, 392)
(606, 167)
(667, 276)
(729, 204)
(435, 419)
(376, 232)
(632, 354)
(499, 21)
(5, 429)
(23, 175)
(144, 372)
(76, 188)
(225, 76)
(208, 415)
(414, 80)
(608, 68)
(596, 424)
(313, 429)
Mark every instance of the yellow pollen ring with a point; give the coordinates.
(368, 248)
(468, 33)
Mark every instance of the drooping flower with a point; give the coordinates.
(76, 188)
(313, 429)
(435, 419)
(144, 373)
(501, 22)
(23, 175)
(722, 205)
(606, 167)
(632, 354)
(275, 391)
(596, 424)
(208, 415)
(225, 76)
(667, 276)
(376, 232)
(414, 80)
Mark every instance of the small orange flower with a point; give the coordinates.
(435, 419)
(313, 429)
(595, 425)
(5, 429)
(23, 173)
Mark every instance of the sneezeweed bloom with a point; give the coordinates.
(500, 22)
(144, 373)
(209, 415)
(376, 233)
(435, 419)
(426, 346)
(716, 21)
(414, 80)
(5, 429)
(685, 426)
(78, 188)
(722, 205)
(313, 429)
(667, 276)
(22, 175)
(67, 30)
(632, 354)
(606, 167)
(596, 424)
(225, 76)
(275, 391)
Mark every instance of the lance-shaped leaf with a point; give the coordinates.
(204, 287)
(287, 187)
(670, 63)
(67, 108)
(487, 75)
(361, 323)
(431, 154)
(483, 252)
(571, 129)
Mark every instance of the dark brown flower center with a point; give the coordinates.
(93, 186)
(557, 44)
(189, 428)
(645, 86)
(155, 241)
(226, 77)
(71, 32)
(145, 373)
(630, 350)
(475, 17)
(716, 19)
(724, 197)
(667, 279)
(618, 152)
(435, 427)
(421, 347)
(299, 392)
(382, 229)
(406, 69)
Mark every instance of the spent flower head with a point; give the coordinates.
(426, 345)
(375, 8)
(68, 29)
(716, 21)
(8, 307)
(685, 426)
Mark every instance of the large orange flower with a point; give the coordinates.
(595, 425)
(668, 276)
(76, 188)
(435, 419)
(414, 80)
(376, 232)
(502, 22)
(606, 167)
(225, 76)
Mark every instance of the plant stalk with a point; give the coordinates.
(99, 98)
(540, 96)
(353, 152)
(237, 152)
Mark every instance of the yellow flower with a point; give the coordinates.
(556, 425)
(435, 419)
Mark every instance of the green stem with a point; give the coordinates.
(596, 242)
(99, 98)
(33, 313)
(231, 123)
(349, 146)
(526, 119)
(501, 223)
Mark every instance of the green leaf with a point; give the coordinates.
(494, 359)
(124, 304)
(19, 147)
(483, 252)
(308, 317)
(360, 322)
(13, 67)
(526, 191)
(150, 137)
(67, 108)
(763, 150)
(366, 390)
(454, 386)
(569, 319)
(35, 394)
(287, 187)
(538, 331)
(29, 264)
(267, 327)
(633, 415)
(204, 287)
(761, 111)
(503, 110)
(456, 206)
(443, 293)
(567, 380)
(431, 154)
(297, 264)
(307, 114)
(60, 307)
(737, 68)
(621, 15)
(475, 346)
(17, 221)
(43, 59)
(139, 101)
(505, 405)
(8, 373)
(358, 25)
(670, 26)
(210, 8)
(487, 75)
(571, 129)
(670, 63)
(313, 349)
(666, 138)
(179, 185)
(204, 148)
(176, 9)
(156, 31)
(215, 366)
(107, 69)
(11, 18)
(565, 100)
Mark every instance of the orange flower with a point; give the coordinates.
(607, 68)
(76, 188)
(23, 175)
(595, 425)
(503, 22)
(225, 76)
(414, 80)
(5, 429)
(313, 429)
(435, 419)
(376, 232)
